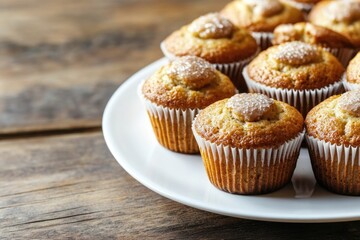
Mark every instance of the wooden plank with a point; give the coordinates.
(70, 187)
(61, 60)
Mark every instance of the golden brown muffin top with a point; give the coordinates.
(187, 82)
(249, 120)
(340, 16)
(295, 65)
(353, 70)
(213, 38)
(336, 120)
(261, 15)
(310, 33)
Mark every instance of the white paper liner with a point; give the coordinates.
(263, 39)
(249, 171)
(344, 55)
(336, 167)
(232, 70)
(349, 86)
(172, 127)
(303, 100)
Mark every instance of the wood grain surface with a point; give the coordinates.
(61, 60)
(70, 187)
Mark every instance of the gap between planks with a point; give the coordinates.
(48, 133)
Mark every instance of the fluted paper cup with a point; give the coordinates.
(232, 70)
(336, 167)
(172, 127)
(263, 39)
(349, 86)
(249, 171)
(302, 100)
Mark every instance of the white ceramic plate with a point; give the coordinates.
(182, 178)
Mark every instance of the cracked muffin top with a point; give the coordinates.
(249, 120)
(310, 33)
(336, 120)
(340, 16)
(187, 82)
(295, 65)
(261, 15)
(213, 38)
(353, 70)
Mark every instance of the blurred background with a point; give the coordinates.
(61, 60)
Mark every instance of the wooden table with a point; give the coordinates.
(60, 61)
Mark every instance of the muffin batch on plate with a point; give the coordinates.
(243, 87)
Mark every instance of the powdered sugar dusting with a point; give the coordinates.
(211, 25)
(192, 71)
(251, 106)
(350, 102)
(296, 53)
(265, 8)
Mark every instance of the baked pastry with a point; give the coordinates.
(249, 143)
(297, 73)
(333, 137)
(175, 93)
(261, 17)
(215, 39)
(336, 43)
(303, 5)
(340, 16)
(351, 79)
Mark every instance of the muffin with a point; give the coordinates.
(333, 137)
(303, 5)
(340, 16)
(261, 17)
(297, 73)
(249, 143)
(215, 39)
(175, 93)
(336, 43)
(351, 79)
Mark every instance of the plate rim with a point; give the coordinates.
(123, 162)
